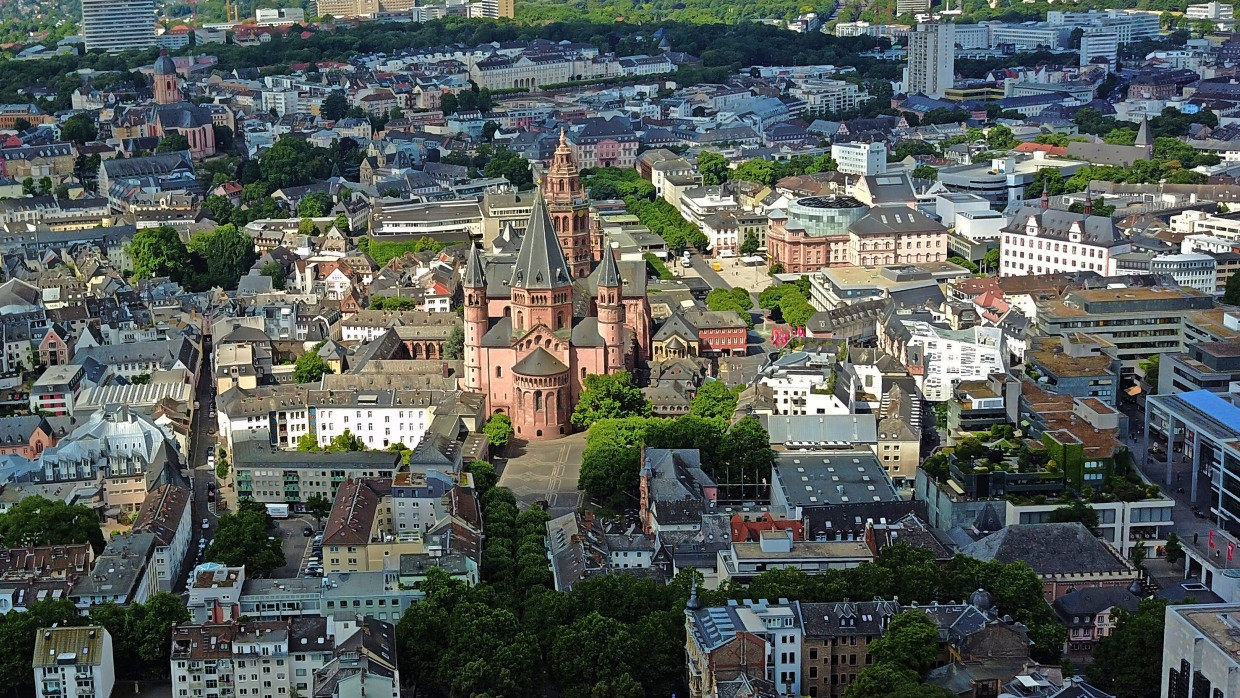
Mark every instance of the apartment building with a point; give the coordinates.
(273, 476)
(931, 68)
(74, 662)
(940, 358)
(336, 657)
(754, 639)
(118, 25)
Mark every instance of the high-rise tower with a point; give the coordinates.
(569, 209)
(118, 25)
(931, 68)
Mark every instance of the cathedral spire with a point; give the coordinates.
(475, 277)
(540, 262)
(608, 273)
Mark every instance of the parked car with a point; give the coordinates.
(307, 532)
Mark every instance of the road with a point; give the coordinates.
(201, 442)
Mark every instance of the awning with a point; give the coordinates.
(1134, 390)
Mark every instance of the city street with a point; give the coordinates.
(201, 442)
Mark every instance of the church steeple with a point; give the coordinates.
(542, 280)
(476, 319)
(569, 209)
(611, 309)
(540, 261)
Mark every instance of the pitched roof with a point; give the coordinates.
(540, 263)
(1051, 548)
(539, 362)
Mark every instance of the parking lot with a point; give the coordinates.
(295, 543)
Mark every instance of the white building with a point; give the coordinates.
(972, 36)
(699, 202)
(1199, 657)
(802, 392)
(931, 66)
(1026, 36)
(279, 16)
(74, 662)
(863, 159)
(346, 656)
(282, 101)
(118, 25)
(1190, 270)
(1099, 43)
(1048, 241)
(829, 95)
(1212, 10)
(1200, 222)
(944, 357)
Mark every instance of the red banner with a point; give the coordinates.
(1211, 538)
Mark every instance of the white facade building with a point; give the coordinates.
(279, 16)
(948, 357)
(1212, 10)
(1198, 657)
(1099, 43)
(118, 25)
(931, 68)
(1048, 241)
(1190, 270)
(802, 393)
(74, 662)
(863, 159)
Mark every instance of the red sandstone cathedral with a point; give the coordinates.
(560, 308)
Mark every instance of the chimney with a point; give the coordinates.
(447, 372)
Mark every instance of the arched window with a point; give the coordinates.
(538, 401)
(499, 371)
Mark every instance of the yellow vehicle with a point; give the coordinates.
(716, 266)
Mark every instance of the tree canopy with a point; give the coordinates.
(714, 400)
(1125, 662)
(37, 520)
(241, 538)
(609, 397)
(310, 367)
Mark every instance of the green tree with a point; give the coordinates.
(80, 129)
(757, 171)
(1150, 368)
(158, 252)
(1122, 660)
(345, 441)
(488, 131)
(1000, 138)
(910, 642)
(308, 442)
(21, 125)
(276, 271)
(925, 172)
(736, 299)
(241, 538)
(511, 166)
(18, 632)
(224, 139)
(220, 207)
(310, 367)
(319, 507)
(750, 245)
(746, 455)
(39, 521)
(315, 205)
(1078, 510)
(1120, 136)
(307, 227)
(1174, 550)
(447, 104)
(593, 649)
(1231, 293)
(483, 475)
(227, 252)
(498, 430)
(149, 627)
(221, 469)
(990, 262)
(713, 167)
(172, 142)
(714, 400)
(45, 186)
(28, 186)
(334, 107)
(454, 347)
(609, 396)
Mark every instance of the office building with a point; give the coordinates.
(497, 9)
(912, 7)
(1199, 657)
(73, 662)
(1212, 10)
(1099, 44)
(1138, 322)
(118, 25)
(279, 16)
(860, 158)
(931, 66)
(1211, 366)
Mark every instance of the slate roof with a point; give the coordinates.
(1094, 600)
(1056, 224)
(540, 263)
(539, 362)
(1050, 548)
(889, 221)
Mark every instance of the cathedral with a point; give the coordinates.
(539, 318)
